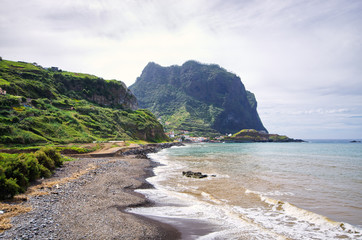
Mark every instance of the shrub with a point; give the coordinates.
(17, 169)
(32, 165)
(21, 180)
(44, 160)
(44, 172)
(9, 101)
(8, 187)
(15, 120)
(54, 155)
(5, 129)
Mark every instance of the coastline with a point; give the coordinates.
(263, 204)
(92, 205)
(188, 226)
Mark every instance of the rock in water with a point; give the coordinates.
(191, 174)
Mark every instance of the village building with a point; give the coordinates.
(171, 134)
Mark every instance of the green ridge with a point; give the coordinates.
(252, 135)
(50, 105)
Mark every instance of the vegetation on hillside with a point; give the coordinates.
(252, 135)
(52, 106)
(33, 81)
(205, 100)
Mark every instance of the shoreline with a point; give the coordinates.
(92, 206)
(244, 205)
(189, 228)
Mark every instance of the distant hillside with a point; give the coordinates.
(251, 135)
(202, 99)
(51, 105)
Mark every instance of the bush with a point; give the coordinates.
(16, 171)
(32, 165)
(9, 101)
(44, 172)
(54, 155)
(21, 180)
(5, 129)
(8, 187)
(15, 120)
(44, 160)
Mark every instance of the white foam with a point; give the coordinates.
(274, 193)
(183, 206)
(279, 220)
(305, 224)
(172, 204)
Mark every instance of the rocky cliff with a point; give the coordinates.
(103, 92)
(197, 97)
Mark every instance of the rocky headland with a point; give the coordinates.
(204, 99)
(252, 135)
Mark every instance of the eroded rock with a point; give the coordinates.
(192, 174)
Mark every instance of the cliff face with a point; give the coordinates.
(197, 97)
(103, 92)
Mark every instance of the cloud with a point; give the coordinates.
(301, 58)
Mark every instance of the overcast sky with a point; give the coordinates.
(301, 58)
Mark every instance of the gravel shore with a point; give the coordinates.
(91, 205)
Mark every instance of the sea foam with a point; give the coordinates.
(179, 199)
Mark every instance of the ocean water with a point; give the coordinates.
(307, 190)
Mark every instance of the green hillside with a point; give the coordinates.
(203, 99)
(252, 135)
(50, 105)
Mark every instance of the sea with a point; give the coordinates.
(310, 190)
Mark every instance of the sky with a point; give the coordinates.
(301, 58)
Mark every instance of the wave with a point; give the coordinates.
(268, 218)
(313, 224)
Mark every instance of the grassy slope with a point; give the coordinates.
(37, 110)
(252, 135)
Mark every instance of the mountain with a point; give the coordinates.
(39, 105)
(203, 99)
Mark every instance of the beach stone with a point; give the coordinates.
(192, 174)
(55, 216)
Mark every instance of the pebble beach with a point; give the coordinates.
(89, 203)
